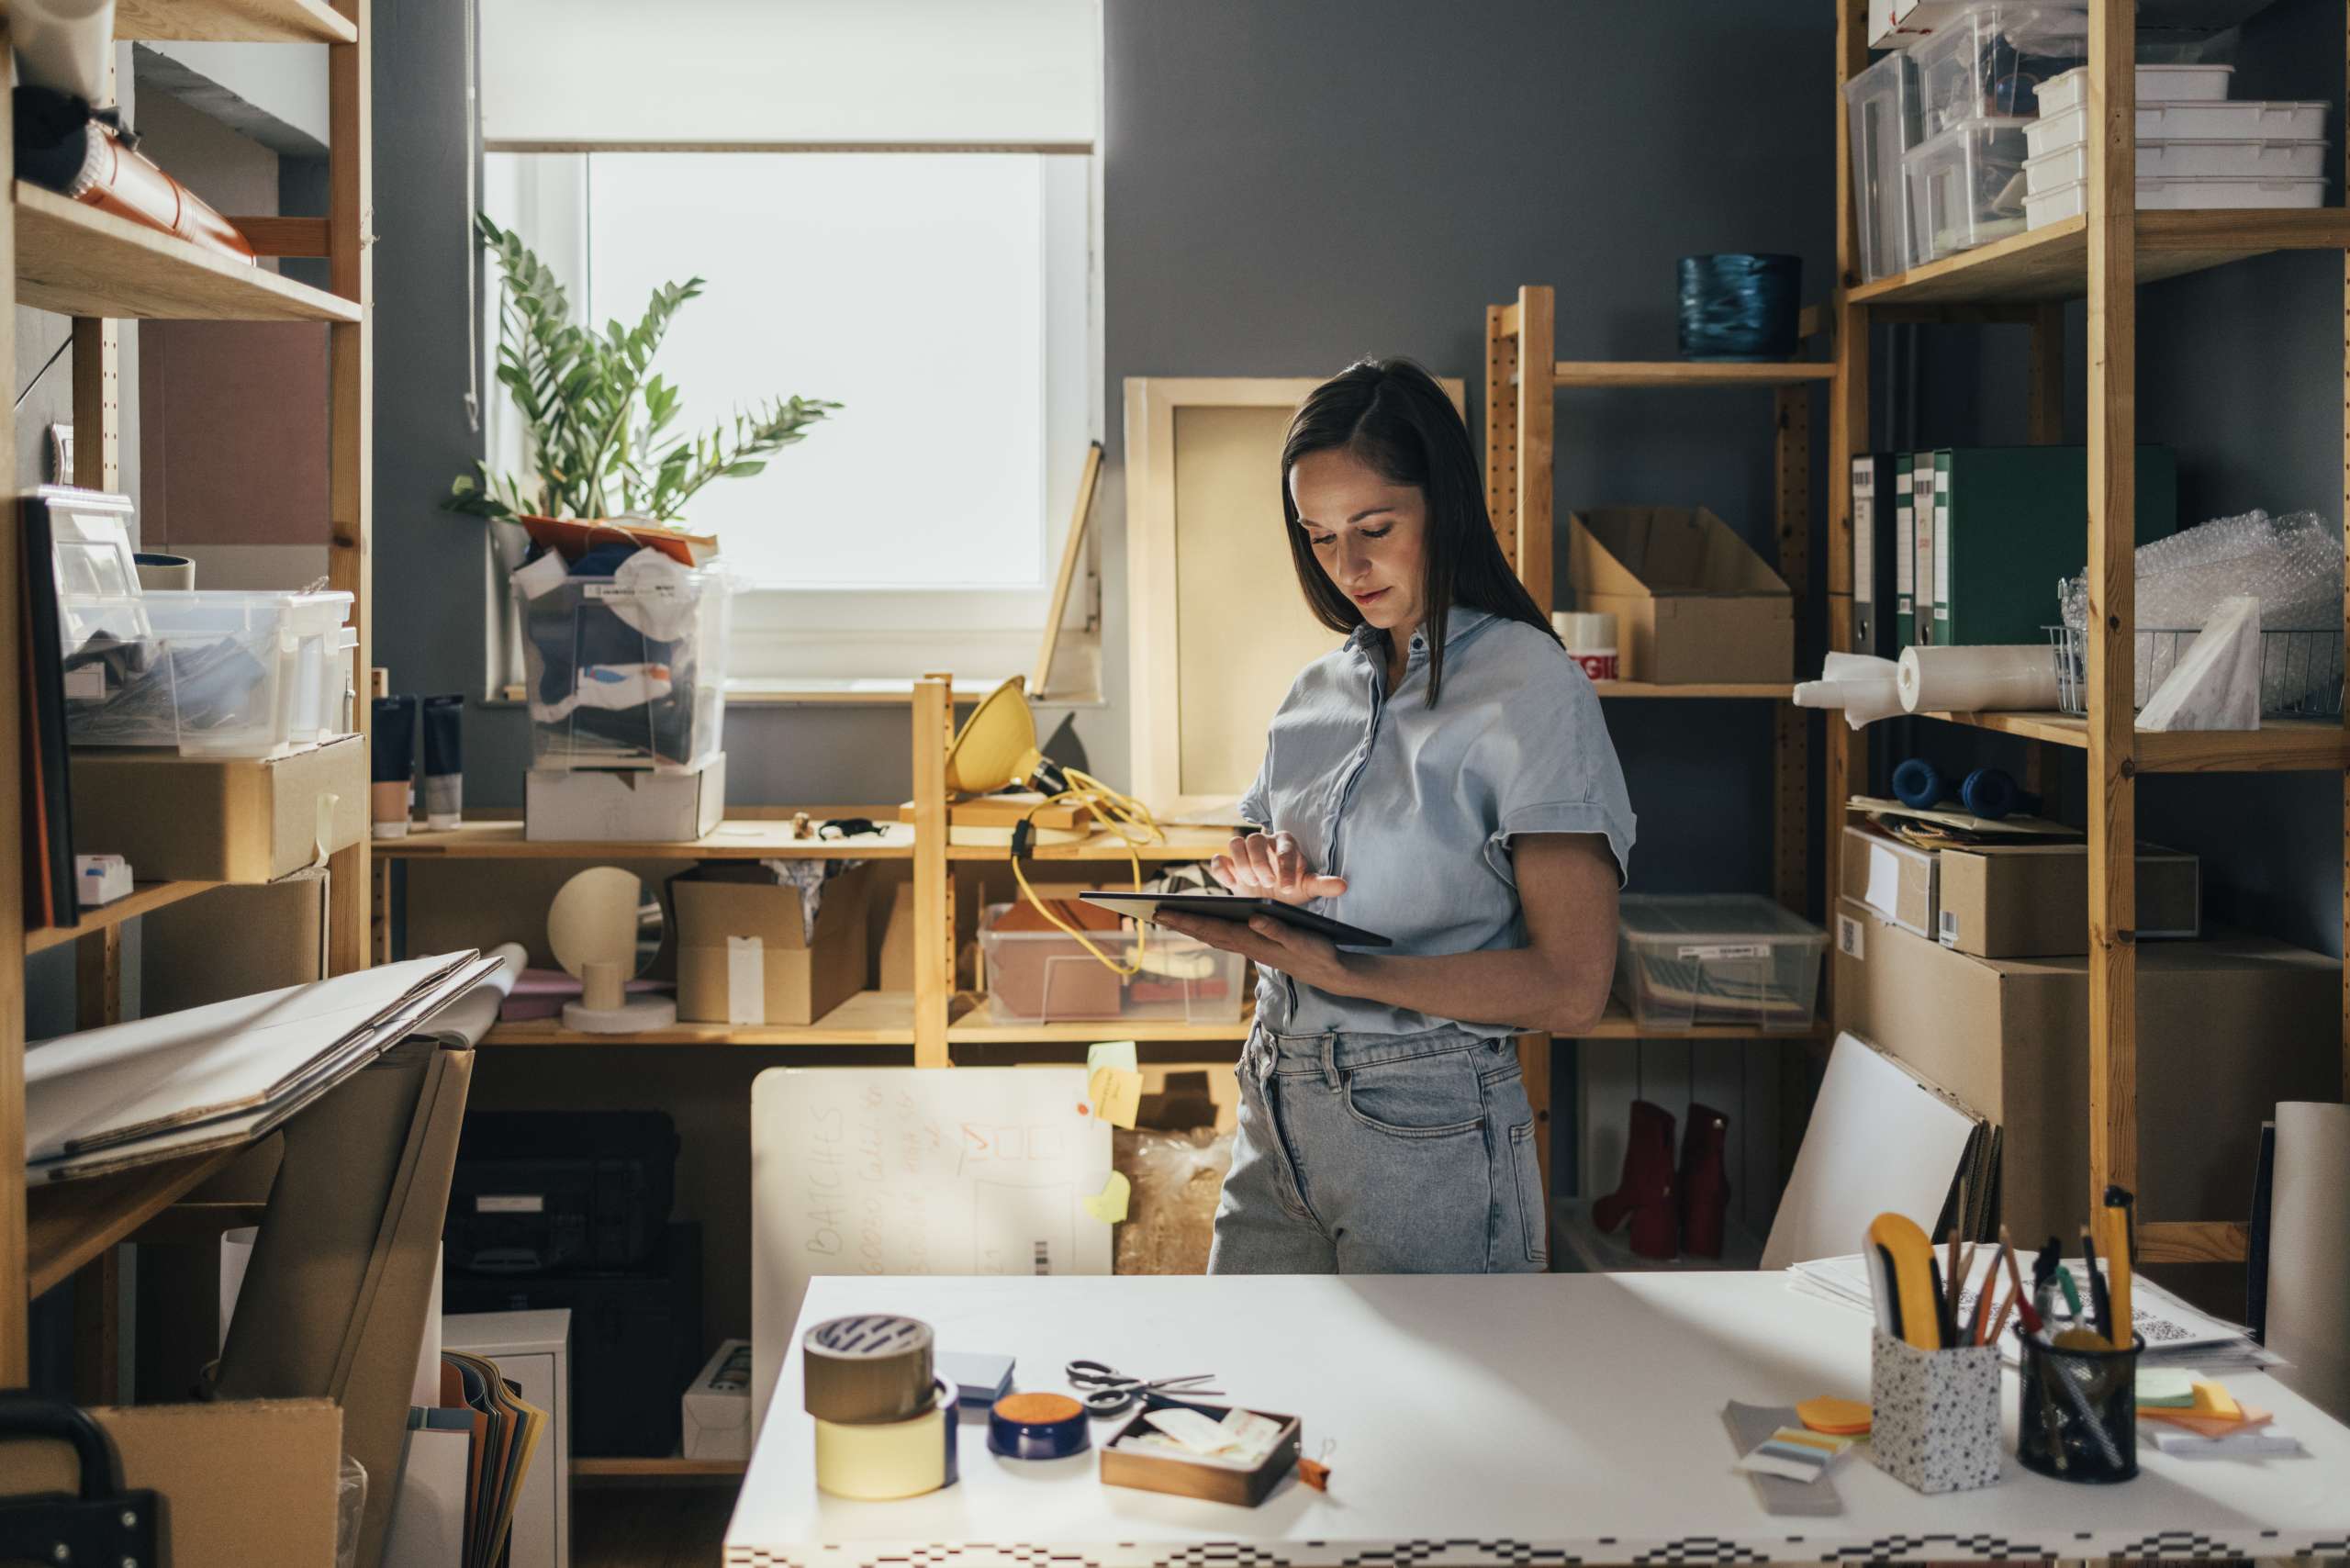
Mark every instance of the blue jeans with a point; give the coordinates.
(1381, 1154)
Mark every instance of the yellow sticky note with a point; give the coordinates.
(1116, 1093)
(1119, 1054)
(2213, 1399)
(1109, 1205)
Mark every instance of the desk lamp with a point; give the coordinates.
(604, 928)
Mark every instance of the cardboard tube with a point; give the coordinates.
(1976, 681)
(391, 756)
(600, 986)
(1864, 687)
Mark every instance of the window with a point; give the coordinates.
(943, 298)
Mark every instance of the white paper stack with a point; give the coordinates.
(219, 1076)
(2175, 1333)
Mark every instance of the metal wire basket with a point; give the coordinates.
(2301, 672)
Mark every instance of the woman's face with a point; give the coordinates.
(1368, 532)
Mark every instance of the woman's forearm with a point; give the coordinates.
(1521, 986)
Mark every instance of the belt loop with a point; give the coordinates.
(1330, 1060)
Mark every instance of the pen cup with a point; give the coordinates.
(2078, 1420)
(1935, 1418)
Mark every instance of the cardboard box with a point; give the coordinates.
(744, 953)
(1895, 879)
(897, 963)
(1692, 602)
(2030, 901)
(618, 805)
(248, 1484)
(221, 819)
(233, 942)
(2227, 1027)
(718, 1407)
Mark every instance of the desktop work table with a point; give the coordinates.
(1539, 1419)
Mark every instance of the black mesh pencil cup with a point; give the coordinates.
(2079, 1415)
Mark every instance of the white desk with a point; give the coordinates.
(1542, 1420)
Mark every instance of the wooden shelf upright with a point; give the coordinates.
(2102, 257)
(99, 269)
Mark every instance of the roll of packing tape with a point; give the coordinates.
(871, 1368)
(1038, 1426)
(878, 1461)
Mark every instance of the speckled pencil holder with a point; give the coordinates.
(1935, 1413)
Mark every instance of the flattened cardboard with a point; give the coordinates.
(221, 819)
(248, 1484)
(234, 942)
(595, 805)
(804, 974)
(895, 970)
(2025, 901)
(1898, 880)
(2227, 1027)
(1692, 602)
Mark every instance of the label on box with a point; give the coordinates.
(1726, 950)
(1949, 928)
(746, 985)
(1849, 940)
(1600, 664)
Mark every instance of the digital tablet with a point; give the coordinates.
(1228, 906)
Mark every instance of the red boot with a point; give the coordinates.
(1705, 1182)
(1646, 1193)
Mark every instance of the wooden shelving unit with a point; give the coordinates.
(98, 268)
(672, 1468)
(1625, 372)
(755, 838)
(2102, 257)
(868, 1018)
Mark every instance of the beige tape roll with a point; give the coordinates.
(873, 1367)
(876, 1460)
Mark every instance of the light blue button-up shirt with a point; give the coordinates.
(1415, 806)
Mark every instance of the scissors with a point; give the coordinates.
(1105, 1390)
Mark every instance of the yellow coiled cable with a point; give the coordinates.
(1121, 815)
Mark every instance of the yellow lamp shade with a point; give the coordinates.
(996, 748)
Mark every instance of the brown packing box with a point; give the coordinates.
(219, 819)
(1894, 878)
(1692, 602)
(2032, 899)
(803, 975)
(250, 1484)
(2227, 1027)
(897, 962)
(233, 942)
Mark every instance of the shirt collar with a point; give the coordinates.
(1457, 625)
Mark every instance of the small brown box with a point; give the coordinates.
(1149, 1472)
(211, 819)
(804, 974)
(1692, 602)
(1898, 880)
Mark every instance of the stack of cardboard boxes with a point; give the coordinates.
(1970, 965)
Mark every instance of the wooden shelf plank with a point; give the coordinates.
(1183, 843)
(69, 1223)
(669, 1468)
(2280, 746)
(233, 21)
(743, 839)
(1776, 692)
(1685, 373)
(144, 898)
(77, 261)
(868, 1018)
(2052, 263)
(2189, 1241)
(977, 1023)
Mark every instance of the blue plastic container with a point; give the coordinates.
(1740, 306)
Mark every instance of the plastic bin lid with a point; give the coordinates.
(1723, 915)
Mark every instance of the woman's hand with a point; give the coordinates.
(1270, 866)
(1270, 944)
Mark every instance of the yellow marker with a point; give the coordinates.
(2117, 1271)
(2213, 1399)
(1913, 1281)
(1109, 1205)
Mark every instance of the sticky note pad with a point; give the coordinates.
(1119, 1054)
(1838, 1418)
(1116, 1093)
(2165, 1388)
(2213, 1399)
(1109, 1205)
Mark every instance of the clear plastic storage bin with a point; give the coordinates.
(1966, 187)
(1042, 977)
(1727, 958)
(627, 670)
(1881, 111)
(1989, 62)
(221, 673)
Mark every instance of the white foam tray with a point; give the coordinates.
(2189, 160)
(2244, 120)
(2046, 207)
(2156, 85)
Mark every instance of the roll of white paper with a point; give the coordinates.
(1863, 686)
(65, 45)
(2309, 1268)
(1974, 681)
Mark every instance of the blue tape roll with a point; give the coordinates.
(1037, 1425)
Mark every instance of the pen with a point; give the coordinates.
(2120, 1249)
(2100, 1304)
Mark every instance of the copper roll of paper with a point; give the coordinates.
(871, 1368)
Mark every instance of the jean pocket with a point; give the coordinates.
(1429, 1096)
(1533, 1221)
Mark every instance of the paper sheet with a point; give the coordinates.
(2309, 1267)
(1885, 881)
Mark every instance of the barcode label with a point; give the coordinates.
(1848, 936)
(1733, 950)
(1949, 928)
(1044, 1257)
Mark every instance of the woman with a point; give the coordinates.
(1445, 779)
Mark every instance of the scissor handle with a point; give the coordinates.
(1109, 1400)
(1095, 1374)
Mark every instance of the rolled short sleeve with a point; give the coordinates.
(1255, 807)
(1553, 768)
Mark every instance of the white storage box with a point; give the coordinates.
(1988, 62)
(2159, 195)
(1966, 187)
(233, 674)
(1881, 114)
(2245, 119)
(625, 669)
(2156, 85)
(1732, 958)
(621, 805)
(1047, 975)
(717, 1407)
(2186, 160)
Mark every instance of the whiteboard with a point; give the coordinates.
(914, 1171)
